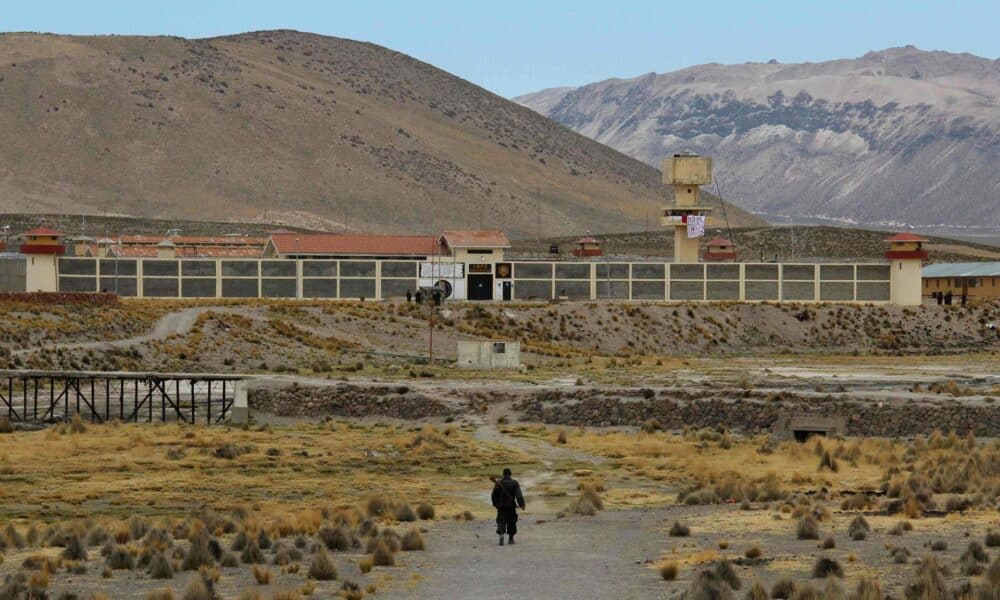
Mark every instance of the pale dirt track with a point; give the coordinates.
(575, 557)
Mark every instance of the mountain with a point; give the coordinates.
(900, 136)
(295, 128)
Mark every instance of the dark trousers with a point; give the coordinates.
(506, 521)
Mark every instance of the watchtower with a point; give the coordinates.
(686, 173)
(906, 255)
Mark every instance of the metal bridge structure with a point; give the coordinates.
(131, 397)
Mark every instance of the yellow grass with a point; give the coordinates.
(117, 470)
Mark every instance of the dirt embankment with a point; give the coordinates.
(346, 400)
(742, 411)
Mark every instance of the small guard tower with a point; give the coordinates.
(686, 173)
(906, 255)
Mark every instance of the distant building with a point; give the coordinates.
(975, 279)
(720, 249)
(588, 246)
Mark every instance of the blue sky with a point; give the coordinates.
(514, 46)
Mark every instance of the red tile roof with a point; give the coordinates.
(906, 237)
(42, 231)
(721, 242)
(587, 240)
(476, 239)
(357, 244)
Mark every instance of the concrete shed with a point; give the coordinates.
(489, 354)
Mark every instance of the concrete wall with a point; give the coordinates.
(489, 355)
(530, 280)
(13, 270)
(40, 273)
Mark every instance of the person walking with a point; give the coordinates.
(506, 498)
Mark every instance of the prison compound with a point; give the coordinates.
(466, 265)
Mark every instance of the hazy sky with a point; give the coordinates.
(512, 46)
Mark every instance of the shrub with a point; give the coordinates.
(120, 558)
(75, 550)
(334, 538)
(724, 572)
(425, 511)
(859, 528)
(928, 582)
(753, 552)
(412, 540)
(900, 555)
(365, 564)
(229, 560)
(382, 556)
(757, 592)
(828, 462)
(164, 594)
(807, 528)
(262, 575)
(561, 437)
(939, 545)
(827, 567)
(378, 506)
(707, 586)
(6, 426)
(197, 590)
(867, 589)
(856, 502)
(239, 541)
(783, 589)
(668, 570)
(992, 539)
(900, 527)
(198, 554)
(829, 543)
(678, 529)
(263, 541)
(405, 513)
(160, 567)
(252, 553)
(322, 568)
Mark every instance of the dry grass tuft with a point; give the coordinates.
(425, 511)
(160, 567)
(807, 528)
(262, 575)
(827, 567)
(412, 540)
(322, 568)
(753, 552)
(668, 570)
(164, 594)
(382, 555)
(678, 529)
(365, 564)
(859, 528)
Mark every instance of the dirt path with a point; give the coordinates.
(175, 323)
(576, 557)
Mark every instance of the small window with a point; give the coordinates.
(499, 348)
(479, 251)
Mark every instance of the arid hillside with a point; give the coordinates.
(895, 136)
(784, 243)
(294, 128)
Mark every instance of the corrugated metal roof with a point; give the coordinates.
(968, 269)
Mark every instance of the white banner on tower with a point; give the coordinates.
(696, 226)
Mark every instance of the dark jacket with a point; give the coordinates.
(506, 493)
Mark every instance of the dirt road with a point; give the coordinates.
(574, 557)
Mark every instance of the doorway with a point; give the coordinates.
(506, 291)
(480, 287)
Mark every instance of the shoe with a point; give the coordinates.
(501, 540)
(511, 540)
